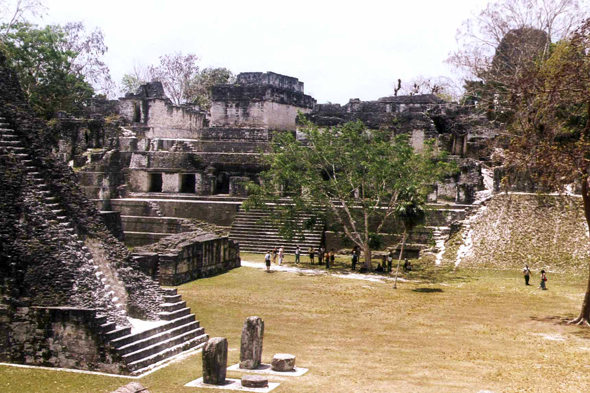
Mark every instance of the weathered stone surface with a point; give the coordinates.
(254, 381)
(215, 361)
(251, 346)
(132, 387)
(283, 362)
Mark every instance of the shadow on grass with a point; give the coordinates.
(427, 290)
(581, 331)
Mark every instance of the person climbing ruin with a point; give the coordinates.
(527, 274)
(543, 280)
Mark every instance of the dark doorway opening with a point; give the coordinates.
(155, 182)
(222, 186)
(187, 184)
(136, 113)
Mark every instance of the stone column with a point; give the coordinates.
(251, 347)
(215, 361)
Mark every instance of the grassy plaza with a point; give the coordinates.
(442, 330)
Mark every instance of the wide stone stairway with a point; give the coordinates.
(177, 331)
(256, 233)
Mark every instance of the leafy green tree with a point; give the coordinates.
(199, 88)
(550, 134)
(45, 68)
(355, 175)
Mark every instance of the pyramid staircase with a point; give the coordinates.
(255, 233)
(137, 352)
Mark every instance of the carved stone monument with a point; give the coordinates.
(215, 361)
(251, 346)
(254, 381)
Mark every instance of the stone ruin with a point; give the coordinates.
(68, 287)
(172, 163)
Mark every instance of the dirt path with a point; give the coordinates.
(316, 272)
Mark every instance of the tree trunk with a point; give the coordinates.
(367, 251)
(401, 252)
(584, 317)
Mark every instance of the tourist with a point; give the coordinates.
(384, 263)
(321, 253)
(332, 257)
(527, 274)
(543, 280)
(281, 255)
(354, 259)
(311, 254)
(274, 256)
(389, 261)
(267, 261)
(407, 266)
(379, 268)
(297, 255)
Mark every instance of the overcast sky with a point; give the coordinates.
(339, 49)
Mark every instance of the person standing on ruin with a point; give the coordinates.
(281, 255)
(267, 261)
(527, 274)
(297, 255)
(311, 254)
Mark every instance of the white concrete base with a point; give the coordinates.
(265, 369)
(232, 384)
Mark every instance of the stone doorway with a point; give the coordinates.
(222, 184)
(155, 182)
(187, 183)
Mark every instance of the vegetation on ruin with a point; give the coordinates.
(359, 178)
(462, 331)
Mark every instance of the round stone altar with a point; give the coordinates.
(254, 381)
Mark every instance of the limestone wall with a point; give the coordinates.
(54, 337)
(273, 115)
(201, 257)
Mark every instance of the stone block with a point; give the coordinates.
(251, 344)
(283, 362)
(215, 361)
(254, 381)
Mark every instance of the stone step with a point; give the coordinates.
(107, 327)
(172, 298)
(168, 316)
(257, 232)
(159, 338)
(162, 345)
(130, 338)
(137, 366)
(5, 141)
(116, 333)
(169, 291)
(169, 307)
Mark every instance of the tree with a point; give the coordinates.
(44, 65)
(199, 88)
(498, 44)
(550, 132)
(133, 80)
(354, 175)
(441, 86)
(11, 14)
(175, 71)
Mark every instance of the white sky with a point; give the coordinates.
(339, 49)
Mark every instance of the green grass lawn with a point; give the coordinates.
(461, 331)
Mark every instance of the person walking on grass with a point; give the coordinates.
(267, 261)
(297, 255)
(527, 274)
(311, 255)
(354, 260)
(281, 255)
(543, 280)
(274, 256)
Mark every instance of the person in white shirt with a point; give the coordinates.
(527, 274)
(267, 261)
(297, 255)
(281, 256)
